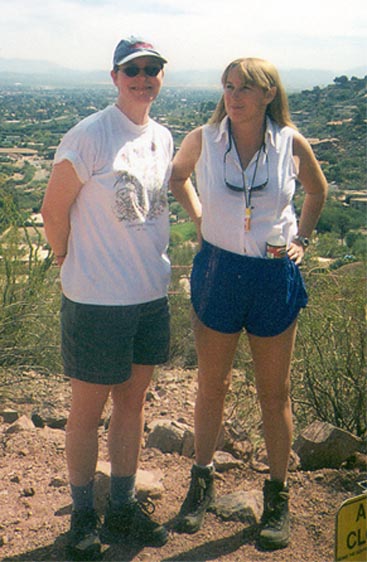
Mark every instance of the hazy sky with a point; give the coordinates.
(191, 34)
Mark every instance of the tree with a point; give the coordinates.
(339, 218)
(328, 245)
(341, 80)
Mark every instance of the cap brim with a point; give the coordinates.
(140, 54)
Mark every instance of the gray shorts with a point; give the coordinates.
(99, 343)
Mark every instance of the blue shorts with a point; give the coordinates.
(99, 343)
(230, 292)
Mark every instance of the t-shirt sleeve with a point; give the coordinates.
(80, 149)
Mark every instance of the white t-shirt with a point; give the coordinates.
(119, 221)
(224, 210)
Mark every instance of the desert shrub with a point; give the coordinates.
(330, 382)
(29, 294)
(182, 349)
(182, 352)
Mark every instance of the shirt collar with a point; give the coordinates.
(272, 136)
(222, 130)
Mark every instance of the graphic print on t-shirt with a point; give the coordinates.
(140, 190)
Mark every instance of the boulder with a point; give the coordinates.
(241, 506)
(9, 415)
(166, 435)
(51, 416)
(225, 461)
(148, 484)
(188, 444)
(322, 445)
(24, 423)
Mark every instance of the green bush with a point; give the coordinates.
(183, 352)
(330, 382)
(29, 293)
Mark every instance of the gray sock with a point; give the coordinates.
(122, 489)
(82, 496)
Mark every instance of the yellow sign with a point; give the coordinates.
(351, 530)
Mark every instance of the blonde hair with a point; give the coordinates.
(261, 73)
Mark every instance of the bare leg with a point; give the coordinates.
(87, 405)
(127, 420)
(128, 519)
(272, 358)
(215, 356)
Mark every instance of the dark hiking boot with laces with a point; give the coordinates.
(200, 497)
(132, 523)
(83, 540)
(274, 529)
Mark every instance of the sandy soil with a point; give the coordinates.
(35, 503)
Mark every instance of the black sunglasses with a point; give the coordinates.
(242, 187)
(133, 70)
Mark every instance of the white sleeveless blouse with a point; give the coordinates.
(224, 210)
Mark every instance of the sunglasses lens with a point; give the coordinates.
(152, 70)
(131, 71)
(235, 188)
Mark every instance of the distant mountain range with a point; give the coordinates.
(44, 73)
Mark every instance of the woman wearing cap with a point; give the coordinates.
(106, 218)
(247, 160)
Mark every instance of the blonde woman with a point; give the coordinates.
(247, 160)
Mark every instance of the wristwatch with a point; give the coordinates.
(303, 241)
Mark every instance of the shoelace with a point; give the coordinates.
(200, 490)
(275, 519)
(147, 506)
(274, 510)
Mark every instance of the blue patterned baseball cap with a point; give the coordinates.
(132, 48)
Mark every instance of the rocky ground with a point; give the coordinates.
(35, 503)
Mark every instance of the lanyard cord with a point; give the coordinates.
(247, 191)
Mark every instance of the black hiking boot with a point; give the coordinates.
(274, 529)
(200, 497)
(132, 523)
(83, 540)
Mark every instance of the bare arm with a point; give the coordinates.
(62, 190)
(180, 183)
(315, 186)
